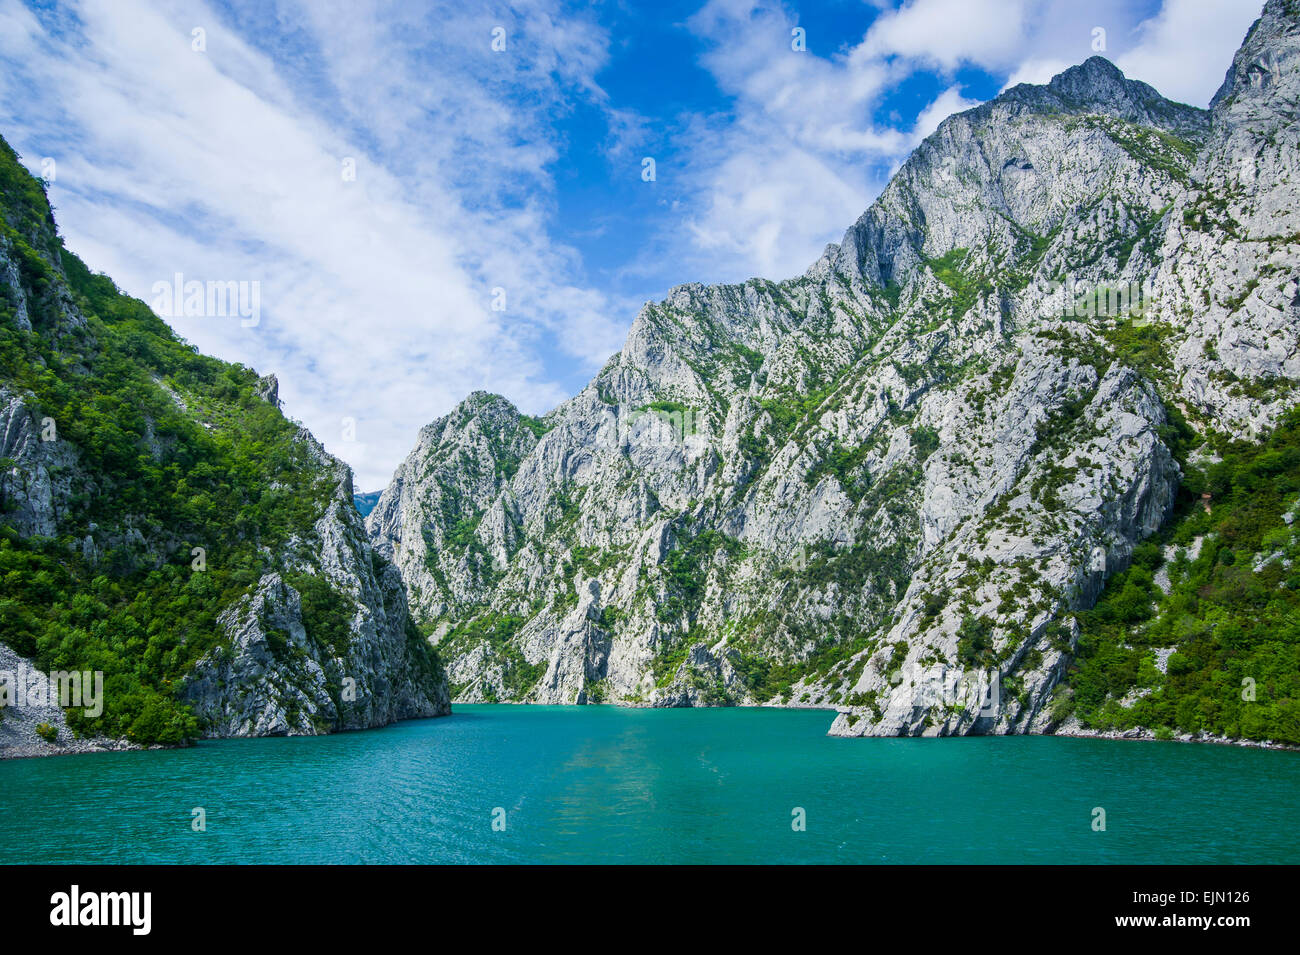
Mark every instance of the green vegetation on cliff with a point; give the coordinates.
(1231, 613)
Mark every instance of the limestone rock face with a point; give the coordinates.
(885, 485)
(464, 457)
(271, 677)
(37, 477)
(1225, 267)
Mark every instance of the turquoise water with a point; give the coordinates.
(604, 784)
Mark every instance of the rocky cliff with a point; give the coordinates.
(162, 523)
(890, 484)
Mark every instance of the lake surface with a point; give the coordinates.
(603, 784)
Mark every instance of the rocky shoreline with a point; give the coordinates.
(18, 745)
(35, 747)
(1143, 734)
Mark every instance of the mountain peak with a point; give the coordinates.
(479, 400)
(493, 413)
(1099, 86)
(885, 245)
(1095, 70)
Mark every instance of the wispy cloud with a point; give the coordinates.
(946, 34)
(799, 156)
(227, 163)
(1185, 49)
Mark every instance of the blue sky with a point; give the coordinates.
(213, 140)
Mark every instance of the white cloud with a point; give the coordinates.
(223, 165)
(945, 104)
(1182, 48)
(1036, 72)
(948, 33)
(799, 157)
(772, 213)
(1185, 50)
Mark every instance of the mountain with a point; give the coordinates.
(900, 483)
(366, 501)
(162, 522)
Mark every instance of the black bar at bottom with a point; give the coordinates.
(927, 903)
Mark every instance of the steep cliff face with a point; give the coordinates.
(1199, 637)
(354, 660)
(1224, 269)
(162, 522)
(888, 484)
